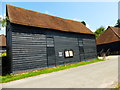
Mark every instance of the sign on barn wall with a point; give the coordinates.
(60, 54)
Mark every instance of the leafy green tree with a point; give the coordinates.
(99, 31)
(118, 23)
(83, 22)
(3, 22)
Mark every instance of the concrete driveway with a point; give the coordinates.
(98, 75)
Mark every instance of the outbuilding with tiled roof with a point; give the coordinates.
(2, 43)
(109, 41)
(36, 40)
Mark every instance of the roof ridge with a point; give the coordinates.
(42, 13)
(115, 32)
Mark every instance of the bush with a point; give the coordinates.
(3, 54)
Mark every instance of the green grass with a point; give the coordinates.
(12, 77)
(117, 87)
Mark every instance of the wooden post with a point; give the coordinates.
(104, 55)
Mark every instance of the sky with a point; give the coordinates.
(95, 14)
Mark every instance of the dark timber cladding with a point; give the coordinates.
(36, 40)
(109, 41)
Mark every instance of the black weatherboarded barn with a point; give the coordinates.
(109, 42)
(36, 40)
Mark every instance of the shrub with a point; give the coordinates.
(3, 54)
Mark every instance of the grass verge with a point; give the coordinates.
(117, 87)
(12, 77)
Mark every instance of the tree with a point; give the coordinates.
(99, 31)
(3, 22)
(83, 22)
(118, 23)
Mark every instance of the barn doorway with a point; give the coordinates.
(50, 52)
(51, 56)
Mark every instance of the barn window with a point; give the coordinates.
(66, 53)
(69, 53)
(50, 41)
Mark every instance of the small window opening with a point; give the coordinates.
(69, 53)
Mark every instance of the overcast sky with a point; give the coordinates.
(95, 14)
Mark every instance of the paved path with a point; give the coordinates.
(97, 75)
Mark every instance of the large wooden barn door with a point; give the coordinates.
(81, 49)
(50, 51)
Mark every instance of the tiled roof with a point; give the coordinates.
(112, 34)
(31, 18)
(2, 40)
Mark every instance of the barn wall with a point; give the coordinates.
(37, 47)
(83, 45)
(89, 48)
(65, 43)
(109, 48)
(28, 49)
